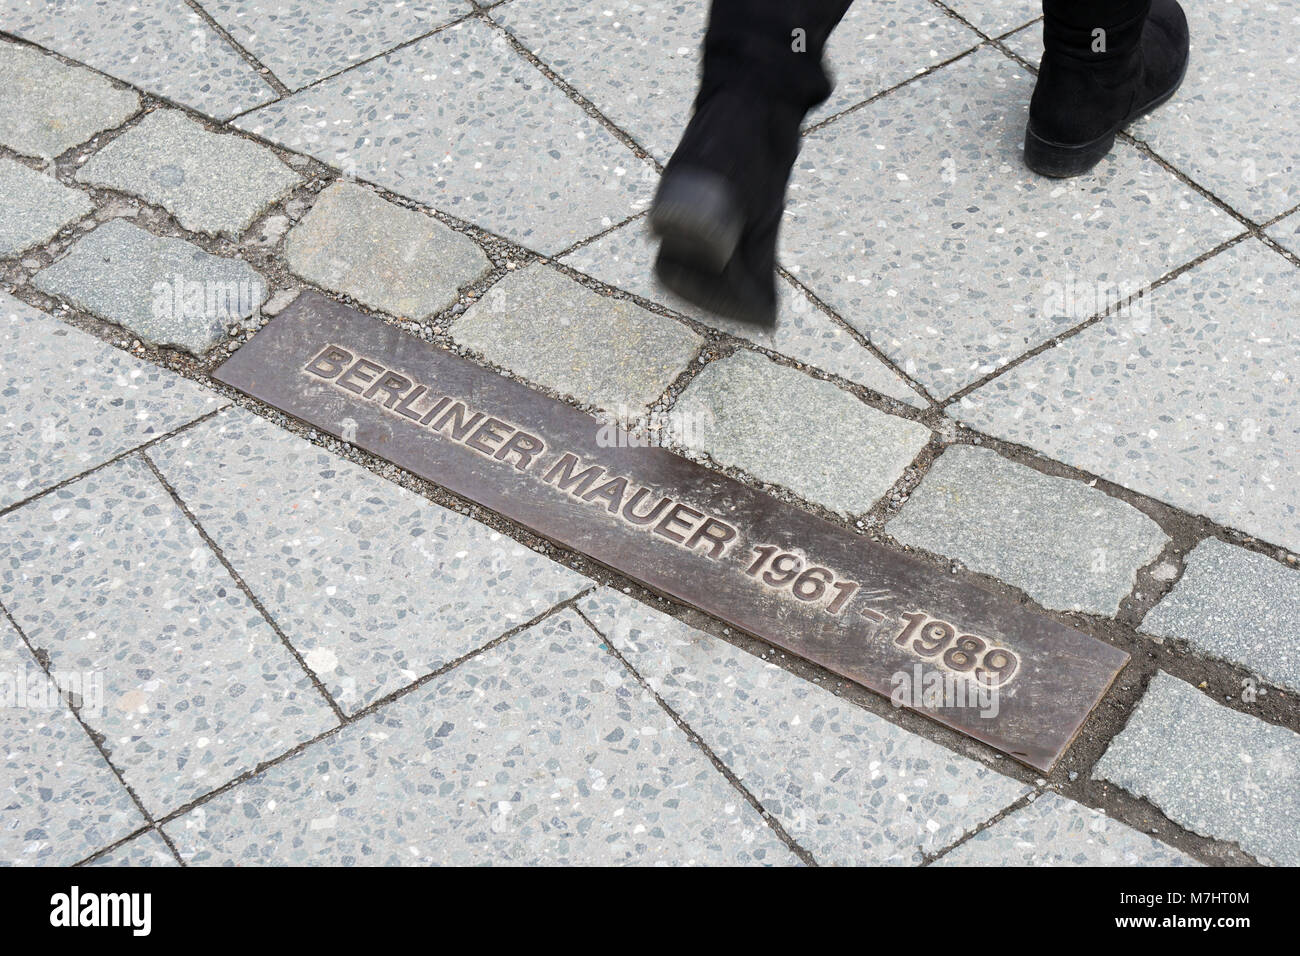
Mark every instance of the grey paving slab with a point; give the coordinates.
(69, 402)
(543, 750)
(162, 46)
(166, 291)
(393, 259)
(373, 585)
(1068, 546)
(59, 799)
(35, 208)
(1054, 831)
(1230, 125)
(625, 258)
(917, 221)
(148, 849)
(51, 106)
(996, 17)
(783, 426)
(849, 786)
(1193, 406)
(464, 123)
(1287, 232)
(639, 63)
(554, 331)
(107, 575)
(213, 183)
(303, 40)
(1215, 771)
(1238, 606)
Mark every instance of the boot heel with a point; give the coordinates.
(1060, 160)
(699, 218)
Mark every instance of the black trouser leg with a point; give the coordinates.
(718, 208)
(771, 47)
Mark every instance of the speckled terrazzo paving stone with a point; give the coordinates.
(34, 207)
(639, 63)
(148, 849)
(1215, 771)
(1068, 546)
(782, 426)
(107, 575)
(464, 123)
(396, 260)
(162, 46)
(916, 220)
(849, 786)
(625, 258)
(1054, 831)
(168, 292)
(69, 402)
(1236, 605)
(373, 585)
(543, 750)
(996, 17)
(304, 40)
(59, 800)
(551, 330)
(1194, 404)
(1287, 232)
(50, 106)
(1231, 125)
(213, 183)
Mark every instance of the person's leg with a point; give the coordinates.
(720, 201)
(1105, 63)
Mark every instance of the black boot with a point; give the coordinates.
(1104, 65)
(719, 204)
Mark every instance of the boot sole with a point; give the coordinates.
(1063, 160)
(716, 292)
(698, 217)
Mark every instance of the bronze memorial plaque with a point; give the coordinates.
(968, 658)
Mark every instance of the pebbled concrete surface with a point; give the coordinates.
(541, 751)
(1054, 831)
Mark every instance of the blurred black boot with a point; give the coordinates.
(1104, 65)
(719, 204)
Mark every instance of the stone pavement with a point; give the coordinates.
(227, 638)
